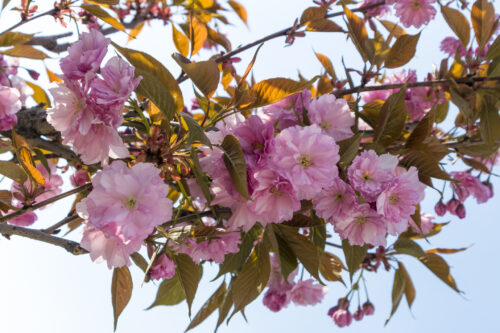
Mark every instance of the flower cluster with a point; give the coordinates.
(122, 210)
(88, 108)
(343, 317)
(281, 292)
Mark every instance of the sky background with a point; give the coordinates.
(44, 289)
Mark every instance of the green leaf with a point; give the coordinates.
(209, 307)
(402, 51)
(440, 268)
(201, 178)
(13, 171)
(398, 289)
(354, 256)
(235, 164)
(285, 255)
(204, 74)
(494, 49)
(305, 251)
(170, 292)
(407, 246)
(391, 119)
(233, 262)
(458, 23)
(349, 148)
(489, 125)
(252, 279)
(427, 164)
(104, 16)
(14, 38)
(409, 288)
(164, 87)
(189, 276)
(423, 129)
(196, 133)
(121, 291)
(318, 235)
(225, 307)
(139, 261)
(331, 267)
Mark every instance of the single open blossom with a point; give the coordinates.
(79, 178)
(342, 317)
(122, 209)
(24, 220)
(415, 12)
(288, 111)
(106, 244)
(308, 158)
(469, 185)
(335, 202)
(307, 292)
(450, 46)
(370, 173)
(256, 139)
(214, 249)
(9, 105)
(363, 226)
(85, 56)
(163, 268)
(397, 202)
(273, 200)
(117, 83)
(275, 300)
(332, 115)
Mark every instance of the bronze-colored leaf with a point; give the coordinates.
(327, 65)
(209, 307)
(204, 74)
(25, 51)
(458, 23)
(409, 288)
(12, 171)
(170, 292)
(483, 21)
(358, 33)
(189, 276)
(391, 119)
(200, 34)
(104, 16)
(323, 25)
(331, 267)
(398, 289)
(239, 10)
(121, 291)
(312, 14)
(14, 38)
(181, 41)
(402, 51)
(354, 256)
(235, 164)
(440, 268)
(39, 95)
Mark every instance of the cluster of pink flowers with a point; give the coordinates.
(343, 317)
(465, 185)
(163, 268)
(414, 13)
(282, 292)
(88, 109)
(418, 100)
(30, 193)
(122, 210)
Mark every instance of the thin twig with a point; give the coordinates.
(191, 217)
(28, 209)
(69, 245)
(50, 230)
(334, 245)
(466, 80)
(20, 23)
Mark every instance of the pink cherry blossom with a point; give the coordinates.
(275, 300)
(9, 105)
(307, 292)
(307, 158)
(397, 202)
(368, 309)
(440, 208)
(370, 173)
(358, 314)
(363, 226)
(214, 249)
(377, 11)
(273, 200)
(163, 268)
(117, 84)
(370, 96)
(79, 178)
(105, 244)
(450, 45)
(24, 220)
(335, 202)
(130, 201)
(85, 56)
(332, 115)
(342, 317)
(288, 111)
(415, 12)
(469, 185)
(256, 139)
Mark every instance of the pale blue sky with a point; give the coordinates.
(44, 289)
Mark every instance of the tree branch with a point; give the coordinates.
(28, 209)
(20, 23)
(69, 245)
(51, 230)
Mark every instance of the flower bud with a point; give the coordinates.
(440, 208)
(368, 309)
(275, 301)
(341, 317)
(358, 314)
(460, 211)
(452, 205)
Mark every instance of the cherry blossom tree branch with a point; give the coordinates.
(53, 199)
(66, 220)
(467, 80)
(69, 245)
(20, 23)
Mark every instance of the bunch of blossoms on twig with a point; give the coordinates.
(88, 108)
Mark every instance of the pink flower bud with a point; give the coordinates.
(451, 205)
(34, 74)
(358, 314)
(440, 208)
(275, 300)
(368, 309)
(342, 317)
(343, 303)
(460, 211)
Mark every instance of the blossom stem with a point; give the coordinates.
(334, 245)
(466, 80)
(69, 245)
(50, 230)
(277, 34)
(31, 208)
